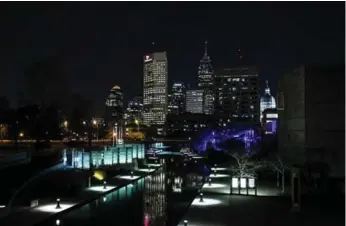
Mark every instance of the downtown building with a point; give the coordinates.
(194, 101)
(114, 112)
(237, 95)
(311, 119)
(176, 99)
(134, 111)
(155, 79)
(206, 82)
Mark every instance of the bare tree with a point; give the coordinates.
(279, 167)
(247, 164)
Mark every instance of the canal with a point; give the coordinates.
(161, 198)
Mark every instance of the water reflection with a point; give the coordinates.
(152, 200)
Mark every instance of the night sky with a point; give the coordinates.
(102, 44)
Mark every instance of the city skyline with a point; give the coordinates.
(100, 45)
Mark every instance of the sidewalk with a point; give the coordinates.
(220, 209)
(34, 215)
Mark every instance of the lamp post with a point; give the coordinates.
(97, 129)
(58, 204)
(201, 197)
(137, 123)
(104, 185)
(209, 180)
(185, 222)
(0, 134)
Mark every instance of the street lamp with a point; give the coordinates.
(137, 122)
(97, 129)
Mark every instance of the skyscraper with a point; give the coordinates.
(237, 94)
(114, 106)
(178, 97)
(155, 77)
(194, 101)
(134, 111)
(206, 82)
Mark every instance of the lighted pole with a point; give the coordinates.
(0, 134)
(97, 129)
(137, 122)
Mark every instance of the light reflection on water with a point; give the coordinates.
(148, 201)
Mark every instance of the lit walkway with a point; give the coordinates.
(47, 209)
(217, 208)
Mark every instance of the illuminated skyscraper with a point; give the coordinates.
(206, 82)
(155, 76)
(237, 94)
(114, 106)
(194, 101)
(267, 101)
(134, 111)
(177, 102)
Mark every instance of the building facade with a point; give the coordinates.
(194, 101)
(237, 94)
(178, 97)
(114, 106)
(267, 100)
(311, 107)
(206, 82)
(134, 111)
(155, 78)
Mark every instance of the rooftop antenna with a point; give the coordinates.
(206, 47)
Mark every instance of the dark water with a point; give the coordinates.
(148, 201)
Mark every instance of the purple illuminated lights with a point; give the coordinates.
(214, 138)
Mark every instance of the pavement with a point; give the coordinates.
(47, 208)
(267, 208)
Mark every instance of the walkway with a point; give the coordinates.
(37, 214)
(218, 209)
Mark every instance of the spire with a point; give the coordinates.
(206, 47)
(267, 89)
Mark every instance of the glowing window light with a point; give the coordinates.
(234, 182)
(251, 182)
(243, 182)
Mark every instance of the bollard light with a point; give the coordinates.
(201, 197)
(131, 174)
(58, 204)
(104, 185)
(185, 222)
(214, 172)
(209, 181)
(57, 222)
(215, 165)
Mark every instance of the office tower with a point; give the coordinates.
(172, 108)
(237, 94)
(267, 100)
(206, 82)
(311, 122)
(178, 97)
(114, 106)
(134, 111)
(155, 76)
(194, 101)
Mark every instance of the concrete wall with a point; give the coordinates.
(325, 116)
(291, 122)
